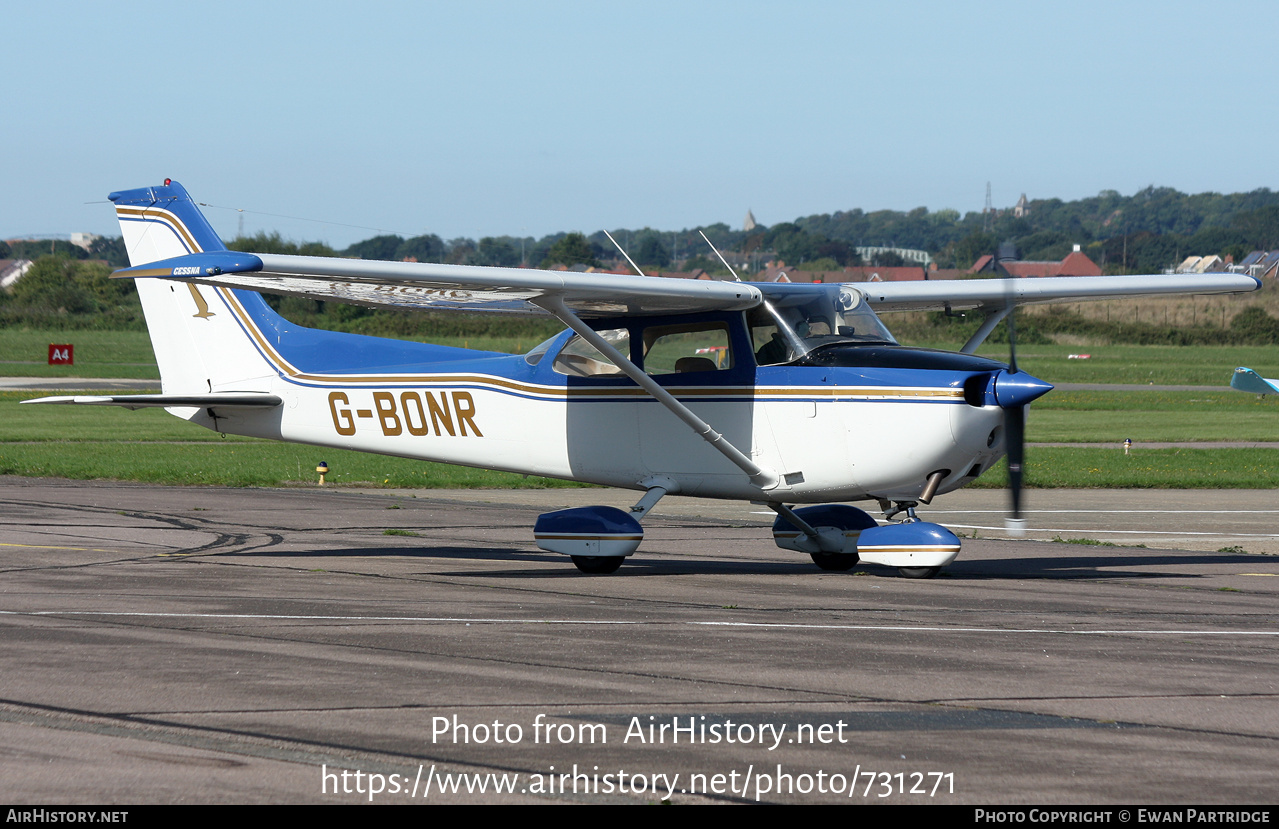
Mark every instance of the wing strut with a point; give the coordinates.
(982, 333)
(760, 476)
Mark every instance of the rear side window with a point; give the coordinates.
(687, 349)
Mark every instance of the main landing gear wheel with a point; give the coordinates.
(837, 562)
(916, 572)
(598, 565)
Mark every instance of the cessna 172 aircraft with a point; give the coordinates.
(781, 394)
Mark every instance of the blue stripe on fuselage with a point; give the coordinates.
(336, 355)
(314, 351)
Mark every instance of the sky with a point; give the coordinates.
(337, 121)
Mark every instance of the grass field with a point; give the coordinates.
(1052, 466)
(1150, 416)
(1159, 365)
(128, 354)
(1059, 417)
(151, 445)
(125, 354)
(245, 463)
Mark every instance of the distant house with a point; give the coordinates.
(1202, 264)
(583, 268)
(935, 272)
(777, 273)
(865, 273)
(869, 252)
(695, 273)
(11, 270)
(1076, 263)
(1269, 266)
(84, 240)
(1250, 261)
(1261, 264)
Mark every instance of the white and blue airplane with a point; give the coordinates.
(779, 394)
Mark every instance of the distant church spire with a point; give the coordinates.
(749, 224)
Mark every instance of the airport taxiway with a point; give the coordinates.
(189, 645)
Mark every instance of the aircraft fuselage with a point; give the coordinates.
(875, 423)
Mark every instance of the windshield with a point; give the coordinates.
(795, 319)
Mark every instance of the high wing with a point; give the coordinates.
(525, 291)
(959, 294)
(456, 287)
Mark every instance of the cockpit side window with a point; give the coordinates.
(767, 340)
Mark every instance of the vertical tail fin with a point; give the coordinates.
(162, 222)
(198, 342)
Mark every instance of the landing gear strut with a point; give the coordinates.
(838, 536)
(828, 533)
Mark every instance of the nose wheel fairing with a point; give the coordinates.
(913, 545)
(838, 536)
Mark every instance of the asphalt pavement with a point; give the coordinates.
(205, 645)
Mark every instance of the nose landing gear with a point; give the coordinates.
(838, 536)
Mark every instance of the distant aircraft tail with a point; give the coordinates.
(199, 342)
(1245, 379)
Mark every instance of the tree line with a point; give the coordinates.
(1143, 233)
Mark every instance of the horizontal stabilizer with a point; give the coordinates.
(227, 400)
(1245, 379)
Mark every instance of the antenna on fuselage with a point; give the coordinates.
(624, 253)
(721, 257)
